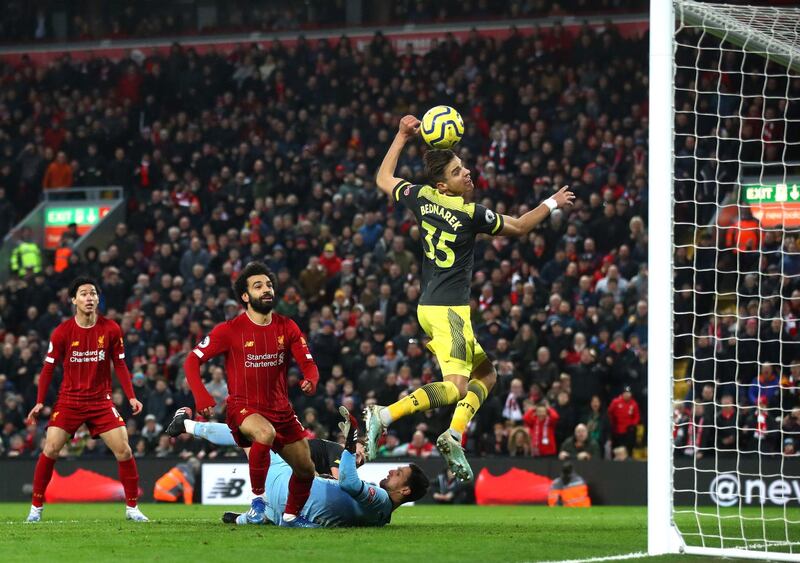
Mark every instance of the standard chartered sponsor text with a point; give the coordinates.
(78, 356)
(264, 360)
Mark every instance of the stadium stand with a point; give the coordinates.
(84, 20)
(271, 155)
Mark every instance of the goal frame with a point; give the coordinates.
(663, 536)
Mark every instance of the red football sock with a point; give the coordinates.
(259, 465)
(129, 477)
(299, 489)
(41, 478)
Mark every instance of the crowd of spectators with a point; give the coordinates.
(271, 155)
(86, 20)
(739, 367)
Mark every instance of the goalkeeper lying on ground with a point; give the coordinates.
(346, 501)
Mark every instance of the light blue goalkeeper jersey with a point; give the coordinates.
(346, 502)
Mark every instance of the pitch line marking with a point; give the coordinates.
(607, 558)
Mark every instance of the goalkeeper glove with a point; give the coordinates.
(349, 428)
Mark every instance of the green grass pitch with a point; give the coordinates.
(420, 534)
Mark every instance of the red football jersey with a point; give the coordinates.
(255, 362)
(623, 414)
(86, 354)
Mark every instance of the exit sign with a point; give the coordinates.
(86, 215)
(774, 204)
(57, 219)
(776, 193)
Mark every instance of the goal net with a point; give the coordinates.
(735, 187)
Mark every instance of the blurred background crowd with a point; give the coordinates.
(270, 154)
(87, 20)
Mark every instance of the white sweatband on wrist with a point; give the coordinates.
(551, 204)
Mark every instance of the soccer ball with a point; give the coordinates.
(441, 127)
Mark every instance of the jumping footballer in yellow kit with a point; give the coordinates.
(449, 227)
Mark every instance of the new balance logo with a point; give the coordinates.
(227, 488)
(243, 411)
(76, 343)
(249, 344)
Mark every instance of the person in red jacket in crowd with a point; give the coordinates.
(58, 173)
(329, 260)
(744, 234)
(623, 412)
(419, 445)
(541, 422)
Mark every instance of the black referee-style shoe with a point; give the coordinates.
(176, 427)
(230, 517)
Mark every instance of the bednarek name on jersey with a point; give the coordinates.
(448, 226)
(449, 216)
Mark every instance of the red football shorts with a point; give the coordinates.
(287, 426)
(99, 417)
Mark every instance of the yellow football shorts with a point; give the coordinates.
(452, 339)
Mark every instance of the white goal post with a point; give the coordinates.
(724, 230)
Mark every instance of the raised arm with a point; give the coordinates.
(521, 226)
(373, 500)
(386, 180)
(348, 476)
(349, 480)
(368, 495)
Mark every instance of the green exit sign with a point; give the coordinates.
(771, 193)
(774, 202)
(84, 215)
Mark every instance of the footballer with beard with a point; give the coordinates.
(259, 414)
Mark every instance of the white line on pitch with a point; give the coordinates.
(50, 522)
(608, 558)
